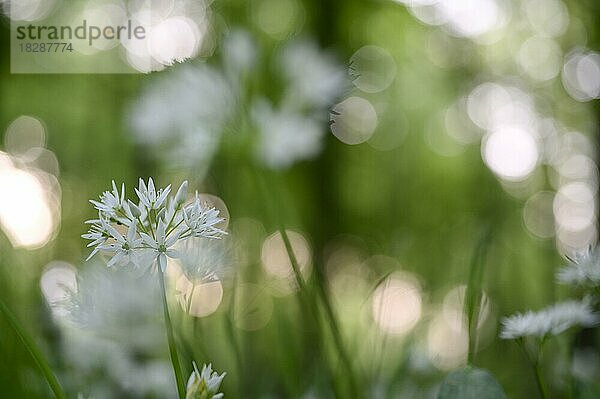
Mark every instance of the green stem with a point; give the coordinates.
(337, 337)
(171, 338)
(539, 379)
(535, 364)
(35, 352)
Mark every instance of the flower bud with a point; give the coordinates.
(135, 211)
(181, 195)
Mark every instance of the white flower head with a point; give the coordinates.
(552, 320)
(583, 269)
(154, 227)
(202, 220)
(204, 384)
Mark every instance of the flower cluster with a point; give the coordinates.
(553, 320)
(204, 384)
(140, 234)
(583, 269)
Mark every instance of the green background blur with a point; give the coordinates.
(410, 204)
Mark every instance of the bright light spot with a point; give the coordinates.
(174, 39)
(454, 309)
(174, 33)
(447, 347)
(201, 299)
(510, 152)
(484, 100)
(58, 280)
(571, 242)
(579, 167)
(397, 304)
(24, 133)
(472, 18)
(353, 121)
(548, 18)
(575, 206)
(110, 14)
(27, 10)
(538, 214)
(26, 212)
(429, 14)
(160, 8)
(491, 105)
(417, 3)
(540, 58)
(278, 18)
(581, 76)
(253, 307)
(372, 68)
(277, 264)
(42, 159)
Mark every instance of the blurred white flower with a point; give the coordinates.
(155, 225)
(583, 269)
(313, 77)
(203, 259)
(117, 304)
(183, 112)
(204, 384)
(186, 112)
(285, 136)
(553, 320)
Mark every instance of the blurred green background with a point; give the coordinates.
(386, 227)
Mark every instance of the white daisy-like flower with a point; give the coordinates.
(552, 320)
(204, 384)
(583, 269)
(155, 225)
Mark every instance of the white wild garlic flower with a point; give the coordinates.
(583, 269)
(553, 320)
(154, 226)
(204, 384)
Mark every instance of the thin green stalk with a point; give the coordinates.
(35, 352)
(171, 338)
(337, 336)
(535, 365)
(474, 294)
(539, 379)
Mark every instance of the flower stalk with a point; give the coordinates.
(171, 338)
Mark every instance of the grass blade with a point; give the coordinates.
(35, 352)
(473, 292)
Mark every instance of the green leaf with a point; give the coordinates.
(474, 293)
(470, 383)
